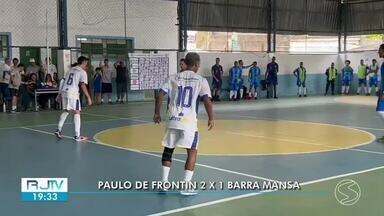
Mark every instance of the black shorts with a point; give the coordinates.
(14, 92)
(106, 87)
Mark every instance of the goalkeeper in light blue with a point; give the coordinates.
(254, 80)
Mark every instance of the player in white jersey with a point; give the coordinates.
(184, 91)
(69, 94)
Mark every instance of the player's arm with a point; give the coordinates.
(209, 109)
(213, 74)
(158, 103)
(205, 93)
(85, 91)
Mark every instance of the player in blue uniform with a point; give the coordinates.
(380, 102)
(347, 76)
(235, 80)
(254, 80)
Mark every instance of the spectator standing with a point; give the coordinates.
(4, 84)
(15, 83)
(217, 81)
(271, 78)
(121, 81)
(106, 79)
(97, 86)
(331, 74)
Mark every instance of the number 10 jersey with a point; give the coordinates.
(184, 91)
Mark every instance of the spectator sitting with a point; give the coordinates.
(49, 83)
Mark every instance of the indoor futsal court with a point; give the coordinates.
(192, 107)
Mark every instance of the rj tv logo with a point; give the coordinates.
(44, 189)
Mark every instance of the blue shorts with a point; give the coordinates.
(373, 81)
(346, 81)
(254, 84)
(235, 87)
(362, 81)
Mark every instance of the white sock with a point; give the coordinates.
(241, 93)
(305, 90)
(165, 173)
(77, 121)
(188, 175)
(14, 107)
(381, 114)
(342, 89)
(358, 90)
(377, 89)
(347, 89)
(255, 95)
(231, 94)
(63, 117)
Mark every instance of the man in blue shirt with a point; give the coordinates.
(271, 78)
(254, 79)
(235, 80)
(380, 102)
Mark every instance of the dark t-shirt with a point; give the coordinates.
(121, 74)
(217, 71)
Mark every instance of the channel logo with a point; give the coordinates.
(44, 189)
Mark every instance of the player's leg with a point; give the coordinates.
(77, 120)
(327, 87)
(63, 116)
(15, 95)
(359, 87)
(333, 87)
(189, 171)
(166, 161)
(304, 89)
(275, 91)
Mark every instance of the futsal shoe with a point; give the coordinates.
(189, 192)
(58, 134)
(80, 138)
(305, 95)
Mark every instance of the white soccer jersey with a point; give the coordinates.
(184, 91)
(72, 80)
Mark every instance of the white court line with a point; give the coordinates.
(133, 118)
(261, 192)
(368, 128)
(159, 156)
